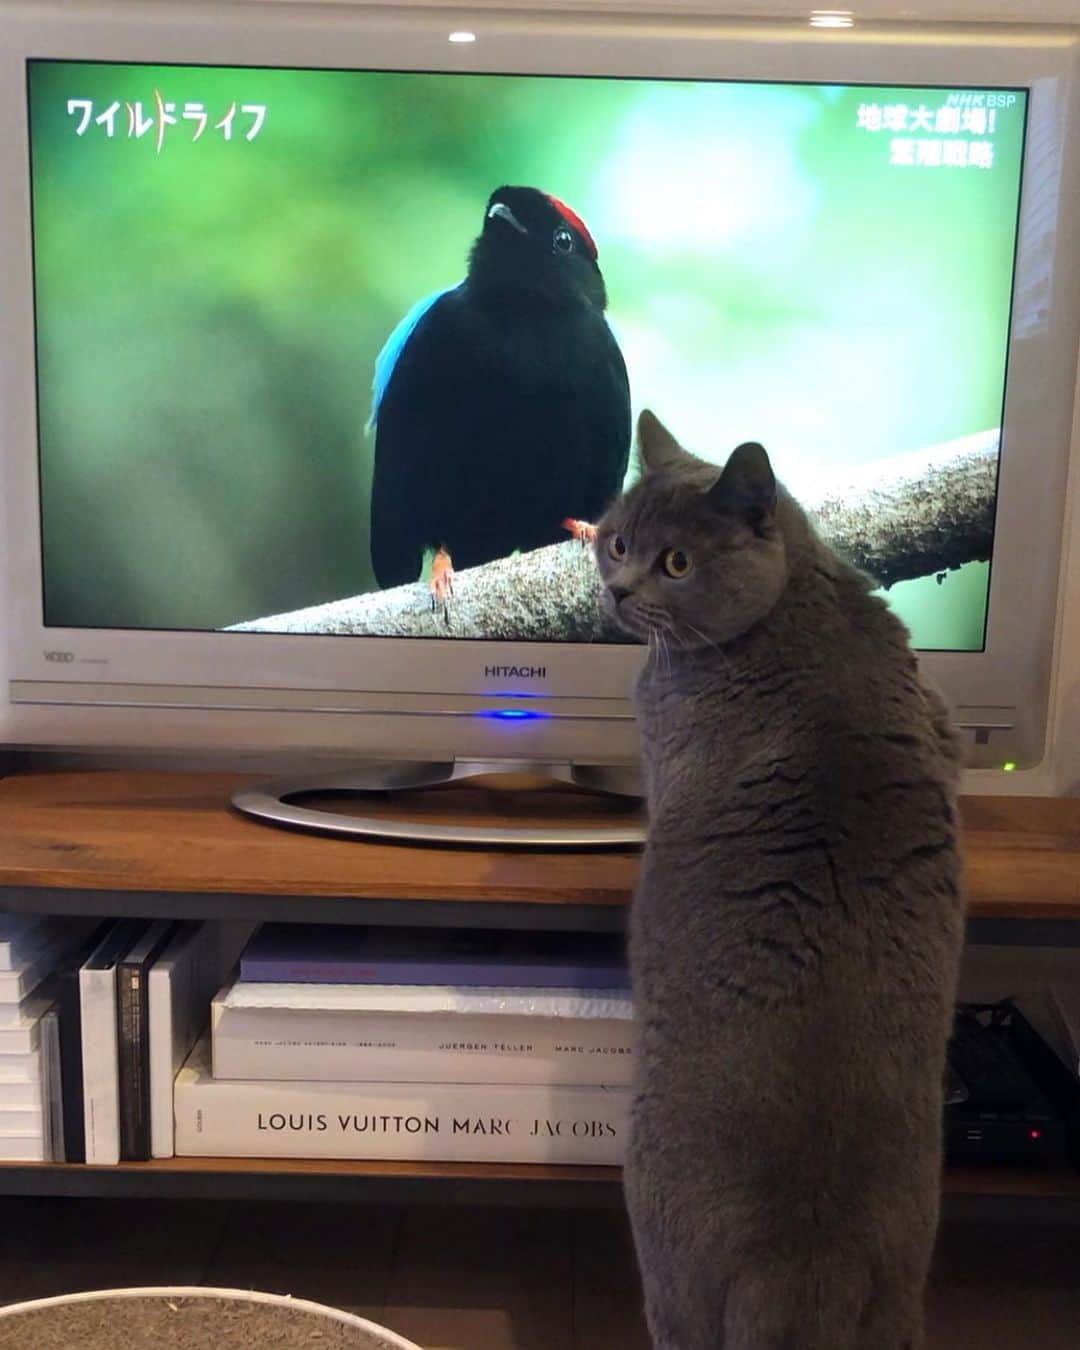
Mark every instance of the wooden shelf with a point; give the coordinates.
(449, 1183)
(324, 1180)
(173, 833)
(168, 844)
(1053, 1181)
(168, 832)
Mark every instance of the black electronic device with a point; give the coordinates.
(1017, 1106)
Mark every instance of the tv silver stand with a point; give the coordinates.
(619, 825)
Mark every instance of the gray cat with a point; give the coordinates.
(796, 931)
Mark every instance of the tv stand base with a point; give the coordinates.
(620, 824)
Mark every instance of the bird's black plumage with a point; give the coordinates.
(507, 407)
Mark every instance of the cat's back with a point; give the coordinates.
(890, 755)
(868, 741)
(803, 809)
(825, 704)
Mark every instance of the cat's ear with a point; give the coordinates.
(657, 447)
(747, 486)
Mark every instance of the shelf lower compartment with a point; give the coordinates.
(543, 1186)
(324, 1179)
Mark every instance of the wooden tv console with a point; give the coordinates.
(167, 844)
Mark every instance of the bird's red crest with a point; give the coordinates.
(572, 218)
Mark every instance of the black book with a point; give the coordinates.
(69, 1006)
(133, 1039)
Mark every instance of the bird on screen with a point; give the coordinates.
(501, 405)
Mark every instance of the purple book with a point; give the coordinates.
(285, 953)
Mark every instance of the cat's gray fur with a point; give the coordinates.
(796, 931)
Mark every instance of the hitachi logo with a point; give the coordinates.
(515, 672)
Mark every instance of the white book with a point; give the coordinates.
(100, 1066)
(182, 982)
(23, 943)
(20, 1027)
(20, 1068)
(12, 1014)
(435, 1122)
(22, 1148)
(421, 1034)
(20, 1096)
(16, 931)
(25, 973)
(26, 1120)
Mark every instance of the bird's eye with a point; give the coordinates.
(616, 546)
(676, 563)
(562, 241)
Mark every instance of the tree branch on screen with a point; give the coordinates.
(911, 516)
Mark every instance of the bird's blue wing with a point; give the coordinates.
(394, 345)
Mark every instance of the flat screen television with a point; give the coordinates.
(244, 452)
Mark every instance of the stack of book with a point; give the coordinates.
(427, 1044)
(131, 1008)
(32, 946)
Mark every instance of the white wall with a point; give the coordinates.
(931, 11)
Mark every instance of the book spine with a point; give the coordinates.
(141, 1055)
(101, 1114)
(30, 937)
(71, 1079)
(52, 1103)
(432, 1122)
(20, 1096)
(19, 1040)
(125, 1063)
(162, 1071)
(179, 989)
(25, 976)
(350, 1046)
(22, 1148)
(28, 1120)
(134, 1085)
(477, 975)
(15, 985)
(20, 1068)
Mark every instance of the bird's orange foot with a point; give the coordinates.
(582, 530)
(442, 583)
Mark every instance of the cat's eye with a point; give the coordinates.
(676, 563)
(616, 546)
(562, 241)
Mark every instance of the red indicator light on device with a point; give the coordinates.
(1036, 1134)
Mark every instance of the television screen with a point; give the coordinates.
(359, 352)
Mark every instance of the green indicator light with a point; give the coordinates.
(1009, 765)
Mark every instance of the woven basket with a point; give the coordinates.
(190, 1318)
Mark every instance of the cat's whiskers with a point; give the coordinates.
(659, 648)
(661, 638)
(659, 652)
(653, 620)
(708, 641)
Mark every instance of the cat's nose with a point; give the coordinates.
(619, 593)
